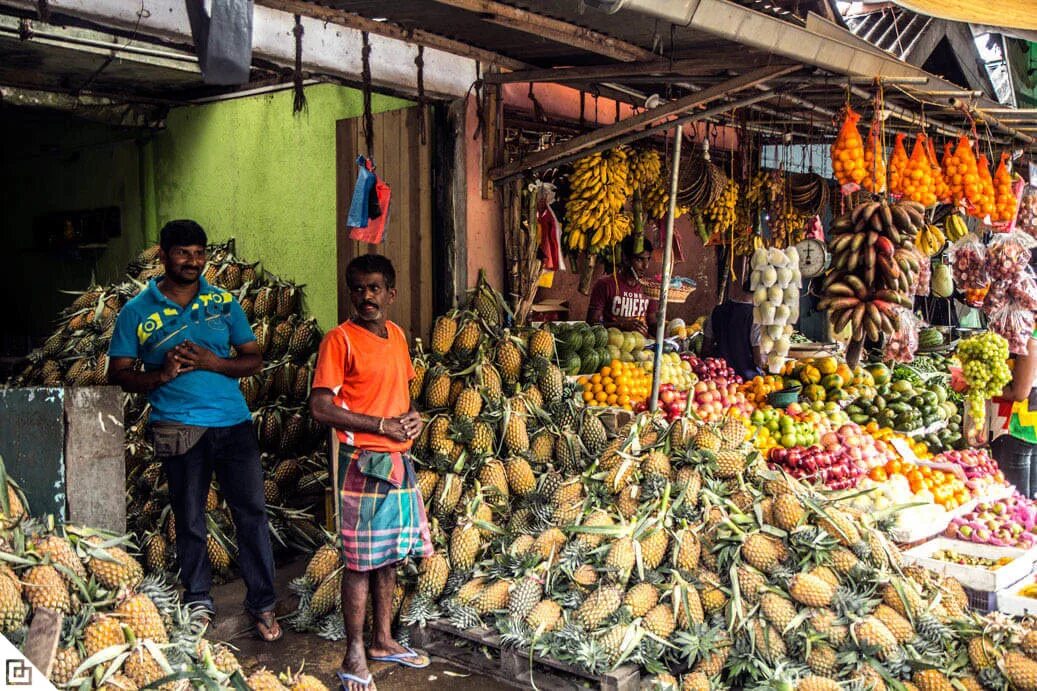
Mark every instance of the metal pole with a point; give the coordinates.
(664, 288)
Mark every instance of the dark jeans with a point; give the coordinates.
(1016, 459)
(232, 452)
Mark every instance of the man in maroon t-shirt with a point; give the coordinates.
(619, 300)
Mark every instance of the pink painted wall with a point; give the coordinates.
(484, 222)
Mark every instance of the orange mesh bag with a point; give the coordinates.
(874, 161)
(848, 151)
(917, 184)
(966, 162)
(898, 165)
(1004, 199)
(984, 205)
(940, 187)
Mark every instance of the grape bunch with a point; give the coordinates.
(984, 364)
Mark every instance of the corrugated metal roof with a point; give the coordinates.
(890, 28)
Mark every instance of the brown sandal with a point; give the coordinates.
(267, 628)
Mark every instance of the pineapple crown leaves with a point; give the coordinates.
(697, 642)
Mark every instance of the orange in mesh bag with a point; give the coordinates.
(918, 180)
(874, 161)
(898, 165)
(848, 151)
(1004, 199)
(984, 205)
(940, 187)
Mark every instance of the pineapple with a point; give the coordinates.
(328, 595)
(824, 621)
(686, 550)
(707, 440)
(732, 434)
(66, 662)
(550, 382)
(44, 587)
(653, 548)
(483, 439)
(118, 682)
(542, 449)
(872, 634)
(219, 557)
(438, 441)
(447, 494)
(432, 575)
(592, 432)
(730, 463)
(899, 626)
(437, 392)
(585, 576)
(763, 551)
(468, 592)
(641, 598)
(696, 681)
(493, 597)
(305, 682)
(142, 667)
(810, 590)
(661, 621)
(524, 596)
(827, 575)
(444, 331)
(1029, 643)
(656, 464)
(516, 435)
(467, 338)
(906, 599)
(549, 543)
(713, 598)
(545, 616)
(521, 480)
(324, 561)
(598, 606)
(1020, 670)
(843, 560)
(597, 518)
(12, 609)
(787, 512)
(689, 607)
(102, 632)
(750, 581)
(611, 641)
(508, 359)
(116, 569)
(142, 616)
(224, 659)
(427, 480)
(767, 641)
(468, 404)
(817, 683)
(493, 476)
(932, 680)
(263, 680)
(823, 660)
(60, 552)
(778, 610)
(465, 544)
(621, 558)
(712, 664)
(541, 344)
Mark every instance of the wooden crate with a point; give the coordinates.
(468, 649)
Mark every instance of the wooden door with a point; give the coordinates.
(405, 164)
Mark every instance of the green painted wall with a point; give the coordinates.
(249, 169)
(244, 168)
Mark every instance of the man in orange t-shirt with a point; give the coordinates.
(361, 388)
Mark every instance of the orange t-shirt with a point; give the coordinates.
(368, 375)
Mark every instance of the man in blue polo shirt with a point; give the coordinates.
(183, 330)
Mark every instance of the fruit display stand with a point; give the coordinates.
(975, 577)
(1013, 601)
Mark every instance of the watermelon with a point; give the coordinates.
(589, 358)
(601, 336)
(573, 365)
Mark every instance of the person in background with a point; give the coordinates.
(1015, 447)
(195, 343)
(619, 300)
(730, 332)
(360, 388)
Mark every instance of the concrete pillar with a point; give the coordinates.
(95, 466)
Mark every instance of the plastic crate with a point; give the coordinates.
(981, 601)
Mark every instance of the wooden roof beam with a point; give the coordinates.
(552, 29)
(690, 67)
(391, 30)
(579, 145)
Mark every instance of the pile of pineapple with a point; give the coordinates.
(293, 444)
(121, 629)
(671, 547)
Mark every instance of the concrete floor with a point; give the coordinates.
(321, 657)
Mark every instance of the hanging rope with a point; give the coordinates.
(422, 101)
(583, 105)
(365, 75)
(538, 110)
(43, 9)
(477, 88)
(299, 97)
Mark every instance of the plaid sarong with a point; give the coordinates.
(380, 523)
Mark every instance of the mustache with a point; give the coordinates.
(368, 304)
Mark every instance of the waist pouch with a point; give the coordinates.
(174, 439)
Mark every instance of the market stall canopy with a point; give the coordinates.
(1017, 14)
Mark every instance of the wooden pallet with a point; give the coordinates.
(479, 650)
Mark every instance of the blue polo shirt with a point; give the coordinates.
(150, 324)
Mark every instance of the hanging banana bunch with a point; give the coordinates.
(600, 185)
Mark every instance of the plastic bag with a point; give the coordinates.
(359, 205)
(903, 343)
(1023, 290)
(1007, 256)
(1015, 326)
(1026, 221)
(968, 262)
(925, 274)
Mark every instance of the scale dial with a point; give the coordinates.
(813, 257)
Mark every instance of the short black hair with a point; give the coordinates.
(372, 264)
(628, 246)
(181, 233)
